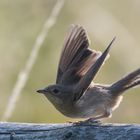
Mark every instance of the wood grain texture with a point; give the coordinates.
(94, 131)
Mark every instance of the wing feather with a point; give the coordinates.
(76, 57)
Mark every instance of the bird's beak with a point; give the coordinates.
(42, 91)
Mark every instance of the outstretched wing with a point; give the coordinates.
(85, 80)
(76, 58)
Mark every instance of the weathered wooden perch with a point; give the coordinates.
(28, 131)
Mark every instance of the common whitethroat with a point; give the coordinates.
(74, 94)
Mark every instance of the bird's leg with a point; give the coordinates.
(88, 121)
(95, 120)
(107, 114)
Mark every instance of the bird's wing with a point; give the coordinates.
(85, 80)
(76, 57)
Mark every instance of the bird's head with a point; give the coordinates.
(56, 93)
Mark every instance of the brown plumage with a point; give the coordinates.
(74, 94)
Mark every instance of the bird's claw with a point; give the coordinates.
(90, 121)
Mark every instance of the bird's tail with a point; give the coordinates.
(129, 81)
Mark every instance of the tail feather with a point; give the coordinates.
(129, 81)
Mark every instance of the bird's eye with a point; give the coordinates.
(55, 91)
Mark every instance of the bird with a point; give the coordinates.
(75, 94)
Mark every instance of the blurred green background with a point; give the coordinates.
(20, 24)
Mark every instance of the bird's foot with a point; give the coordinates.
(90, 121)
